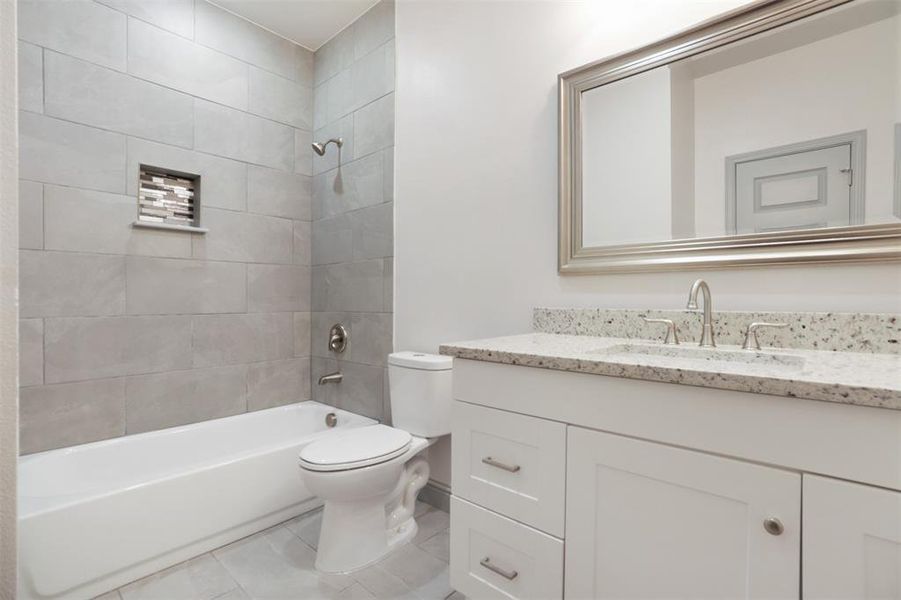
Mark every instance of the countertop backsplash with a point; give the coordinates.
(846, 332)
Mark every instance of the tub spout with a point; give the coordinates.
(331, 378)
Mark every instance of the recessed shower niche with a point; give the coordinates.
(168, 199)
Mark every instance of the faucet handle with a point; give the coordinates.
(751, 341)
(672, 332)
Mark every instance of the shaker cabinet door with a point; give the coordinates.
(645, 520)
(852, 541)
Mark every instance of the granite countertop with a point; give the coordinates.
(864, 379)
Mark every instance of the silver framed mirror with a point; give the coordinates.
(693, 197)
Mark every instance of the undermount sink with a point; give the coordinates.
(734, 355)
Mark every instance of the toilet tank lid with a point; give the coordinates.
(421, 360)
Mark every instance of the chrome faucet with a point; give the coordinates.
(331, 378)
(707, 330)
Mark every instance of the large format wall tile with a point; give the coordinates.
(31, 215)
(179, 397)
(88, 221)
(303, 65)
(320, 106)
(228, 33)
(302, 334)
(159, 286)
(374, 126)
(31, 352)
(303, 152)
(339, 96)
(80, 28)
(245, 237)
(373, 231)
(374, 28)
(79, 91)
(356, 286)
(176, 16)
(356, 185)
(236, 339)
(278, 288)
(76, 349)
(107, 86)
(242, 136)
(223, 181)
(57, 284)
(54, 416)
(373, 337)
(54, 151)
(276, 383)
(333, 56)
(333, 240)
(373, 75)
(279, 193)
(175, 62)
(31, 78)
(280, 99)
(352, 229)
(303, 251)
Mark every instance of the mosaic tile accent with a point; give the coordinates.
(167, 198)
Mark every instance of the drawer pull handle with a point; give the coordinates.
(495, 463)
(508, 575)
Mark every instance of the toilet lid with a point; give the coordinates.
(358, 447)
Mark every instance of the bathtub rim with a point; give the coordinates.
(67, 500)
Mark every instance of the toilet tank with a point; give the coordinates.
(420, 388)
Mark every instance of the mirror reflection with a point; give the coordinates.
(798, 128)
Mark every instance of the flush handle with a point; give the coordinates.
(508, 575)
(499, 465)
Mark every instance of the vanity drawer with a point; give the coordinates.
(510, 463)
(495, 557)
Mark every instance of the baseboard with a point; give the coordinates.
(437, 495)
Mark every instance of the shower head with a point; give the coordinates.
(319, 147)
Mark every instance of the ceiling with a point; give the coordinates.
(309, 23)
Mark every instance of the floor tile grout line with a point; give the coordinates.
(231, 576)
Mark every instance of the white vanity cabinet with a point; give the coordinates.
(644, 520)
(852, 540)
(667, 491)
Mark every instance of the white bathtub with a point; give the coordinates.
(97, 516)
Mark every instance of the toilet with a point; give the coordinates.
(369, 477)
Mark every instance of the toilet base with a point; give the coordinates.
(356, 534)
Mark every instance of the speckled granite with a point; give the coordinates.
(864, 379)
(840, 332)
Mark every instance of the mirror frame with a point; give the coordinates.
(832, 244)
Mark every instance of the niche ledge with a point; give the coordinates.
(169, 227)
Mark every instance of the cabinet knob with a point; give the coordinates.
(773, 526)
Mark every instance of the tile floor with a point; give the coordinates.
(277, 564)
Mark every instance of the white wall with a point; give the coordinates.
(9, 256)
(626, 160)
(476, 196)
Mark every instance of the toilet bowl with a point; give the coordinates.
(368, 483)
(369, 477)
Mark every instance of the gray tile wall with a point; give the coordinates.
(127, 330)
(353, 216)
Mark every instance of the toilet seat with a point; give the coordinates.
(357, 448)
